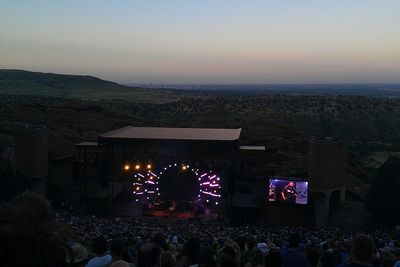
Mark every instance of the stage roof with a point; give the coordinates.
(194, 134)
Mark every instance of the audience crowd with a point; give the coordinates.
(31, 234)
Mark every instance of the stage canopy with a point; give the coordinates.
(161, 133)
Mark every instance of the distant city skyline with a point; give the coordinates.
(208, 41)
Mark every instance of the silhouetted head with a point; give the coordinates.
(149, 255)
(30, 207)
(167, 259)
(191, 250)
(207, 258)
(251, 242)
(313, 257)
(330, 258)
(294, 241)
(160, 239)
(117, 248)
(362, 249)
(99, 245)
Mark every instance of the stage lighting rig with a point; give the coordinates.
(127, 167)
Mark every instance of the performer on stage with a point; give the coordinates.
(289, 193)
(172, 208)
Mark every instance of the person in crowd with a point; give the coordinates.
(118, 250)
(99, 248)
(28, 234)
(229, 255)
(78, 255)
(251, 243)
(207, 257)
(149, 255)
(274, 258)
(292, 257)
(191, 252)
(313, 257)
(330, 258)
(362, 251)
(160, 239)
(256, 258)
(168, 259)
(397, 256)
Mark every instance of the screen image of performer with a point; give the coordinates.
(289, 193)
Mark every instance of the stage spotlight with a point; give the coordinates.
(127, 167)
(148, 166)
(137, 188)
(216, 203)
(184, 168)
(137, 167)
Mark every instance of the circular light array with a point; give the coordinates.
(146, 183)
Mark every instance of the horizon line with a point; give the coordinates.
(209, 83)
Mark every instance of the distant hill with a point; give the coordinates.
(22, 82)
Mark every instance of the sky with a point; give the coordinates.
(205, 41)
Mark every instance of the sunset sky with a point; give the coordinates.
(205, 41)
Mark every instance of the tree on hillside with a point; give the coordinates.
(384, 195)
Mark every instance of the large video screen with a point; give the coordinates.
(286, 190)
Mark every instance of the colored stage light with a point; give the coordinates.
(137, 167)
(148, 166)
(137, 188)
(127, 167)
(184, 168)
